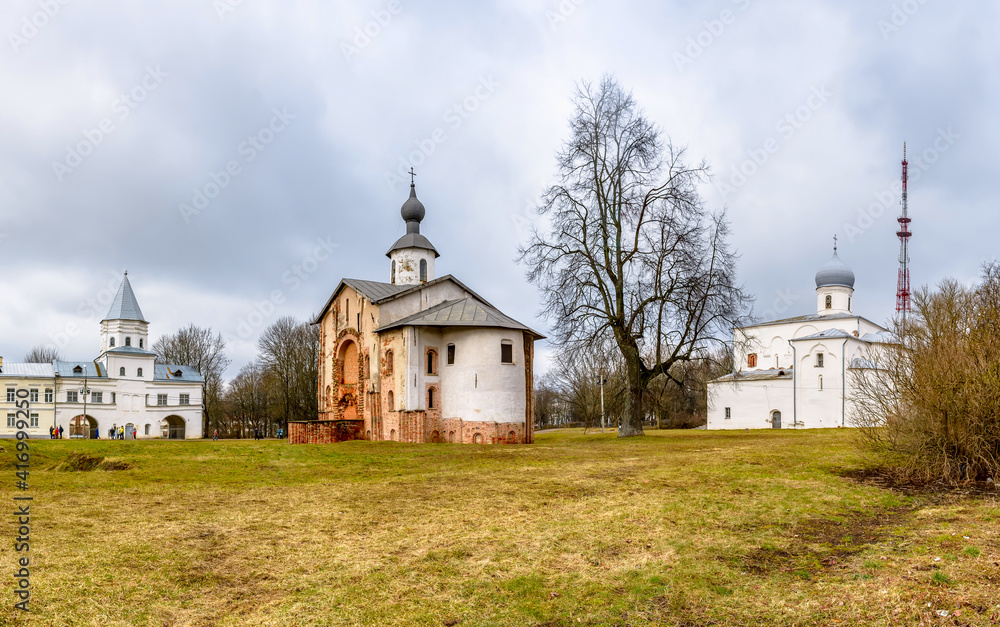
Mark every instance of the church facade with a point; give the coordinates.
(123, 387)
(797, 373)
(420, 358)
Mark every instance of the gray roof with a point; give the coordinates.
(131, 350)
(413, 240)
(11, 369)
(826, 335)
(835, 272)
(125, 306)
(882, 337)
(89, 369)
(465, 312)
(170, 372)
(757, 375)
(862, 363)
(810, 318)
(378, 292)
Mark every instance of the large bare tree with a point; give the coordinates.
(289, 351)
(206, 351)
(632, 256)
(41, 354)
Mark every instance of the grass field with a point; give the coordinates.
(676, 528)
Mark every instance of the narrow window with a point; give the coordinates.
(819, 360)
(451, 354)
(388, 363)
(829, 301)
(358, 328)
(776, 361)
(752, 360)
(430, 398)
(423, 270)
(821, 382)
(11, 420)
(138, 372)
(392, 277)
(140, 342)
(113, 397)
(128, 341)
(121, 371)
(147, 430)
(112, 342)
(848, 303)
(431, 362)
(390, 400)
(729, 413)
(347, 310)
(506, 352)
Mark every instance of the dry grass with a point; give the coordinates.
(677, 528)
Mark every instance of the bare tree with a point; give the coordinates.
(290, 351)
(632, 257)
(42, 354)
(198, 347)
(248, 402)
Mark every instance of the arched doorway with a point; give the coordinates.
(83, 427)
(349, 363)
(173, 428)
(435, 437)
(776, 419)
(512, 437)
(477, 439)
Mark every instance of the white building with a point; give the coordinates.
(796, 372)
(123, 387)
(420, 358)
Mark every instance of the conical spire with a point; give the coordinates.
(125, 306)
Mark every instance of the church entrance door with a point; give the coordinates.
(776, 420)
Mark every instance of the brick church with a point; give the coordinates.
(420, 358)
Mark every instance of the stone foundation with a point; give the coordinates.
(325, 431)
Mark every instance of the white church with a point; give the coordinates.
(796, 373)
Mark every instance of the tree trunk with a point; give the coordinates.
(632, 421)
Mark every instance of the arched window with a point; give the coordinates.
(138, 372)
(128, 341)
(390, 400)
(140, 342)
(423, 270)
(329, 395)
(506, 352)
(432, 362)
(848, 303)
(752, 360)
(829, 301)
(430, 398)
(388, 363)
(392, 435)
(776, 361)
(112, 342)
(392, 275)
(121, 371)
(347, 310)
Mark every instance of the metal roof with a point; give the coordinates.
(131, 350)
(826, 335)
(835, 272)
(125, 306)
(757, 375)
(465, 312)
(375, 291)
(170, 372)
(806, 318)
(413, 240)
(378, 292)
(11, 369)
(89, 369)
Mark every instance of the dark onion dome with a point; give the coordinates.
(413, 209)
(835, 273)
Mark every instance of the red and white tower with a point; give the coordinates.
(903, 286)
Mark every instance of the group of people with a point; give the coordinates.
(55, 433)
(118, 433)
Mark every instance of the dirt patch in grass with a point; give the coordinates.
(78, 462)
(887, 479)
(819, 543)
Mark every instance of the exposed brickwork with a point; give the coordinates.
(325, 431)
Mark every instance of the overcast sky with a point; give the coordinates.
(119, 120)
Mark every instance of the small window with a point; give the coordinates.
(347, 310)
(34, 421)
(77, 370)
(451, 354)
(138, 372)
(430, 398)
(729, 413)
(506, 352)
(112, 342)
(48, 395)
(848, 303)
(11, 420)
(140, 342)
(121, 371)
(72, 397)
(128, 341)
(390, 401)
(185, 399)
(161, 399)
(819, 360)
(423, 270)
(821, 382)
(392, 276)
(752, 360)
(11, 397)
(147, 430)
(388, 363)
(97, 397)
(431, 362)
(829, 301)
(113, 397)
(33, 396)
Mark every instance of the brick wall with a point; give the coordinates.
(325, 431)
